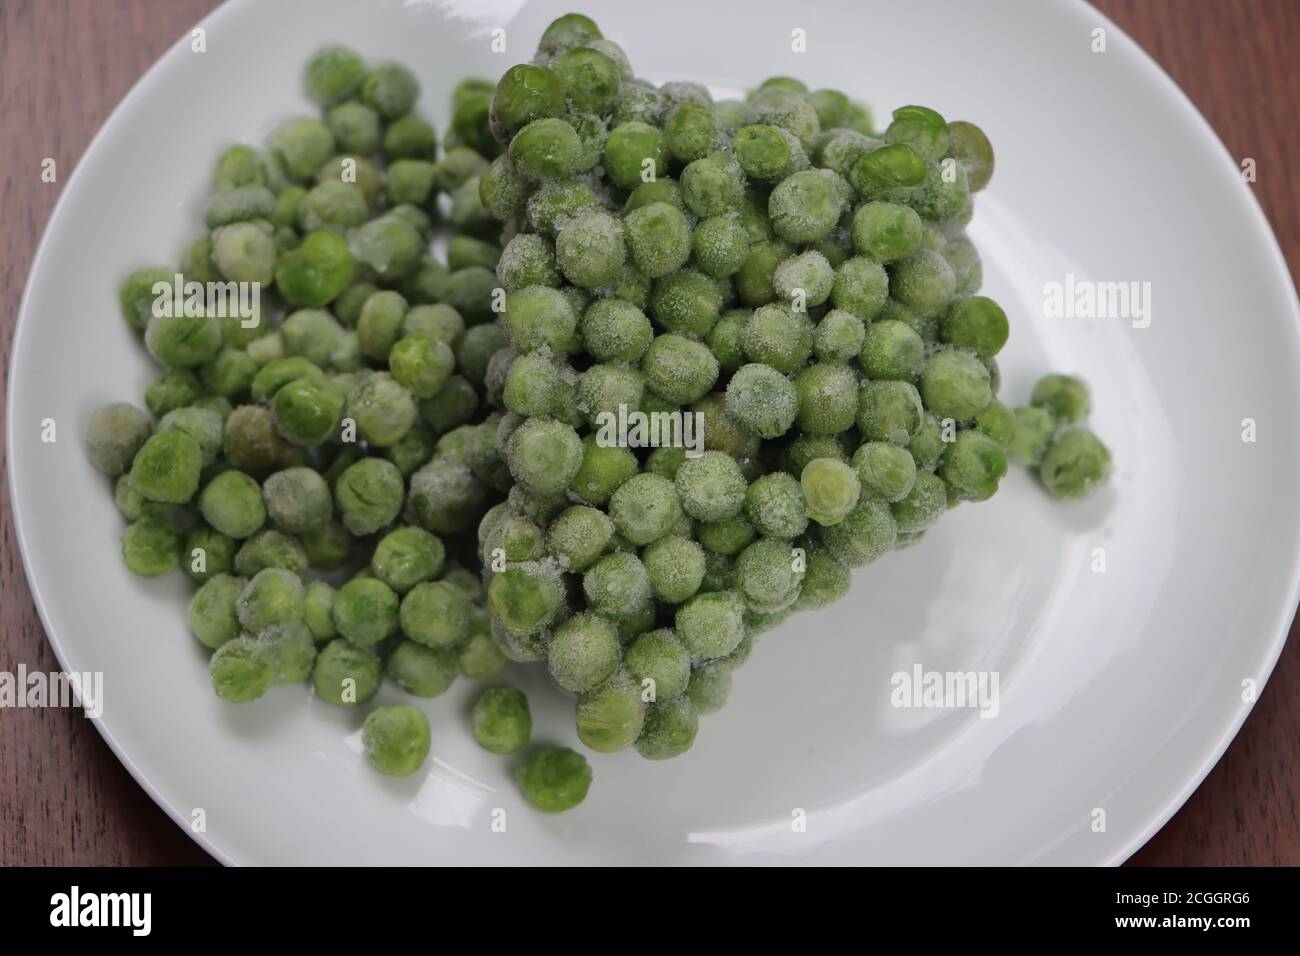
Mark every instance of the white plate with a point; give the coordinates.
(1119, 690)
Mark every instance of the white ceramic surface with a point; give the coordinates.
(1119, 690)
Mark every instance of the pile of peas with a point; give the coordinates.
(395, 472)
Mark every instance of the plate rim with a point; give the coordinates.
(1162, 85)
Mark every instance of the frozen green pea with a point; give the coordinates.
(922, 506)
(779, 337)
(892, 350)
(298, 500)
(152, 547)
(955, 385)
(446, 496)
(395, 739)
(356, 128)
(1064, 397)
(611, 717)
(762, 400)
(669, 730)
(136, 295)
(167, 467)
(711, 487)
(971, 147)
(382, 409)
(528, 259)
(241, 670)
(861, 287)
(615, 331)
(114, 434)
(307, 411)
(775, 507)
(538, 317)
(976, 323)
(711, 625)
(679, 369)
(766, 576)
(972, 465)
(420, 670)
(578, 536)
(731, 536)
(634, 153)
(555, 779)
(1074, 464)
(720, 246)
(365, 611)
(421, 364)
(806, 205)
(526, 597)
(606, 392)
(617, 585)
(313, 274)
(828, 395)
(406, 557)
(213, 617)
(709, 687)
(886, 232)
(830, 490)
(923, 282)
(583, 653)
(328, 548)
(273, 597)
(388, 245)
(675, 566)
(645, 508)
(545, 455)
(527, 92)
(502, 721)
(232, 503)
(713, 185)
(251, 441)
(174, 388)
(546, 149)
(368, 495)
(270, 549)
(889, 411)
(346, 675)
(318, 610)
(291, 650)
(182, 341)
(512, 536)
(1034, 428)
(885, 470)
(998, 422)
(687, 302)
(826, 579)
(207, 553)
(478, 658)
(659, 663)
(839, 336)
(438, 322)
(658, 238)
(390, 89)
(804, 281)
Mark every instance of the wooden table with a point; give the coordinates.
(64, 798)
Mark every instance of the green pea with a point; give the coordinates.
(611, 717)
(152, 547)
(346, 675)
(395, 739)
(241, 669)
(555, 779)
(1074, 464)
(1064, 397)
(502, 722)
(669, 729)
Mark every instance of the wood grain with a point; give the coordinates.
(64, 64)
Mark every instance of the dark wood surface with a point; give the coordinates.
(64, 64)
